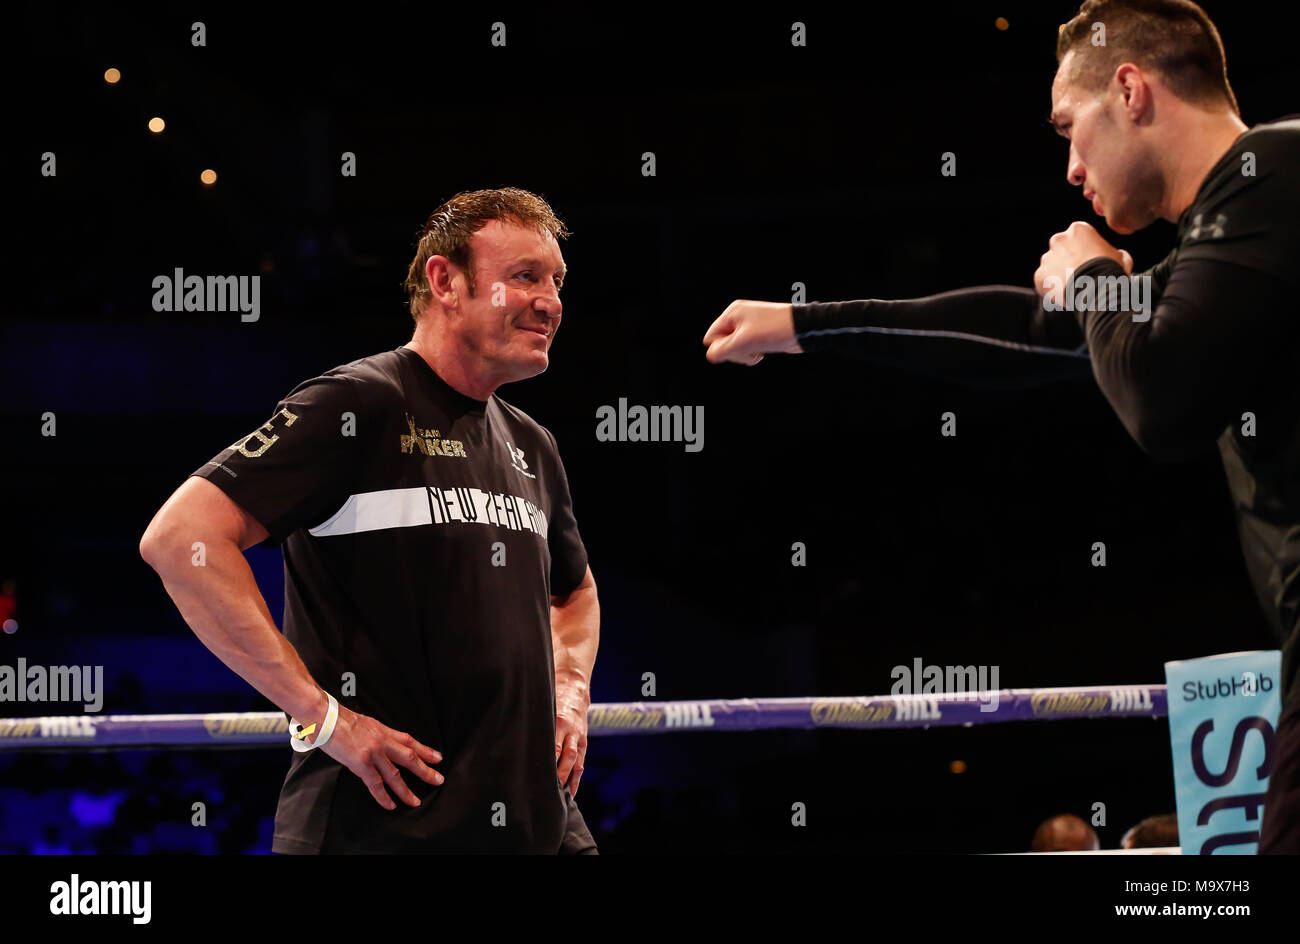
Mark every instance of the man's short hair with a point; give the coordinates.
(1173, 38)
(1064, 833)
(1152, 833)
(449, 228)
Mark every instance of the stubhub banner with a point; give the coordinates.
(1222, 711)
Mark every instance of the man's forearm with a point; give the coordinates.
(993, 335)
(221, 603)
(575, 635)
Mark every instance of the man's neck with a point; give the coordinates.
(454, 371)
(1202, 142)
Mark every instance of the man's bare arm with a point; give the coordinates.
(575, 635)
(221, 602)
(220, 599)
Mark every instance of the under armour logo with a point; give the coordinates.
(1207, 230)
(517, 459)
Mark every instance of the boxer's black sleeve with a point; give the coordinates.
(568, 554)
(296, 469)
(1220, 334)
(991, 335)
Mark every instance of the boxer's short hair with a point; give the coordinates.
(1173, 38)
(449, 228)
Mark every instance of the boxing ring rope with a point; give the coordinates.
(965, 709)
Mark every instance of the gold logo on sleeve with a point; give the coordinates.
(267, 442)
(426, 442)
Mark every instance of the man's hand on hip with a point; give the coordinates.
(371, 751)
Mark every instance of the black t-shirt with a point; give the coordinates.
(424, 533)
(1222, 340)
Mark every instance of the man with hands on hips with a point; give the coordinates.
(439, 608)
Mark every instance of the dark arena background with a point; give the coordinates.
(774, 165)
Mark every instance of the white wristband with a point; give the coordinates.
(297, 736)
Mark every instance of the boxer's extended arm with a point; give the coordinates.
(992, 335)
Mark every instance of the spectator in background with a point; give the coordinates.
(1154, 832)
(1065, 833)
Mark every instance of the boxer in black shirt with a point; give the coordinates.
(1202, 349)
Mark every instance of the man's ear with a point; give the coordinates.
(1134, 89)
(438, 270)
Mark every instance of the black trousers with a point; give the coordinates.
(1279, 834)
(577, 837)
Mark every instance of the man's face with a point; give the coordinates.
(1109, 157)
(508, 327)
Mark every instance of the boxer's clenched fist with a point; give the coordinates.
(747, 330)
(1067, 251)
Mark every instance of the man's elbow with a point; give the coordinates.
(154, 543)
(164, 544)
